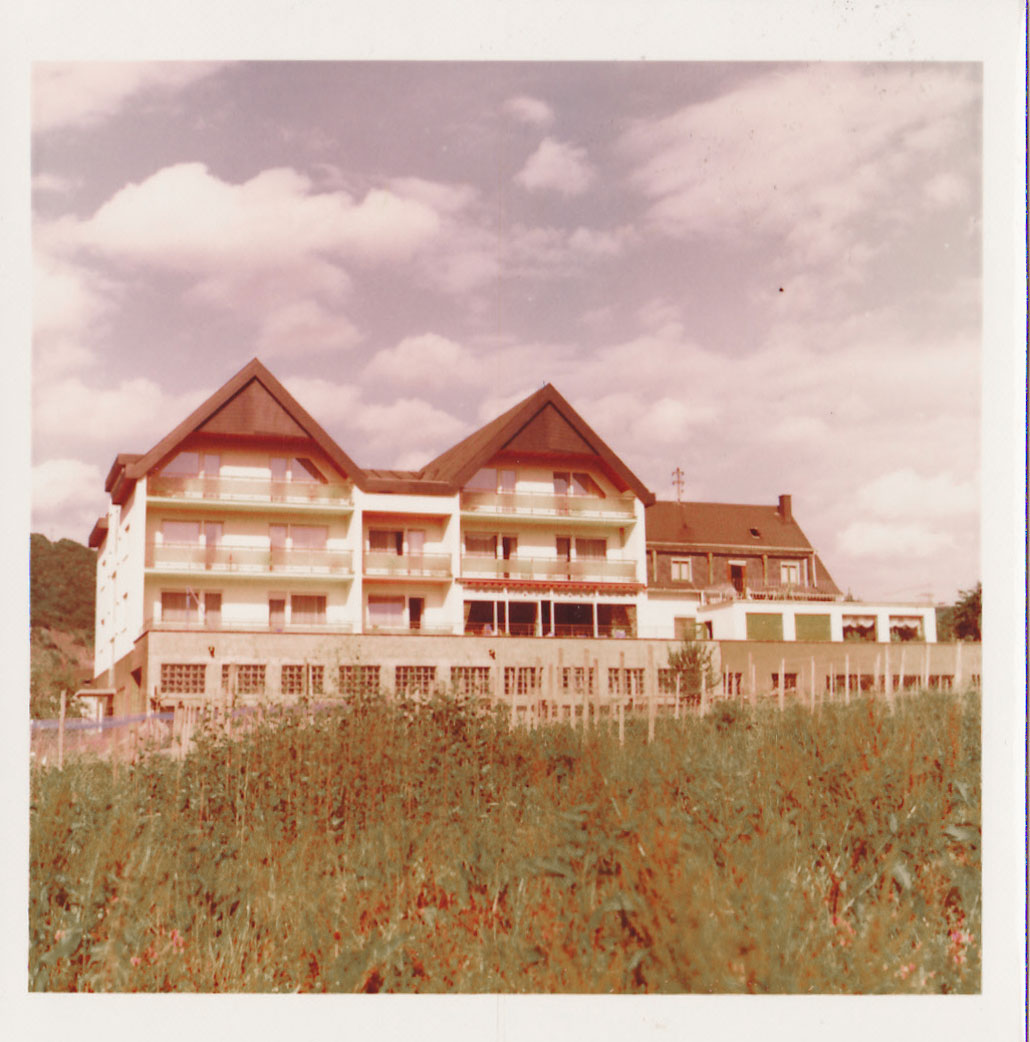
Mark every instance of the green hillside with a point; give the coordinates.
(62, 591)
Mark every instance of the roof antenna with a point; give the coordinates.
(677, 480)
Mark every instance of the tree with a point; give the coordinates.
(692, 660)
(965, 615)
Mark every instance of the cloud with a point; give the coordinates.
(54, 184)
(304, 327)
(905, 493)
(530, 110)
(557, 166)
(183, 218)
(429, 360)
(887, 541)
(128, 416)
(85, 93)
(67, 498)
(819, 155)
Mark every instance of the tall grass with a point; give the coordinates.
(379, 848)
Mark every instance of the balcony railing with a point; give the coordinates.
(207, 625)
(190, 557)
(769, 592)
(425, 566)
(584, 569)
(533, 503)
(248, 490)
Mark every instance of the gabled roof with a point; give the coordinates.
(704, 527)
(543, 422)
(723, 524)
(255, 402)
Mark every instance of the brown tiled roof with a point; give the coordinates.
(735, 527)
(722, 524)
(252, 372)
(460, 462)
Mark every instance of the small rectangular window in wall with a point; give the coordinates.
(812, 627)
(859, 627)
(764, 626)
(685, 628)
(415, 680)
(307, 609)
(471, 680)
(790, 573)
(359, 680)
(681, 570)
(906, 627)
(179, 606)
(577, 680)
(181, 532)
(250, 678)
(627, 682)
(480, 545)
(182, 678)
(594, 549)
(386, 613)
(790, 681)
(521, 680)
(298, 679)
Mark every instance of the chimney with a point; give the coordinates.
(784, 509)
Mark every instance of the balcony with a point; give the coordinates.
(261, 491)
(768, 592)
(211, 626)
(548, 569)
(529, 505)
(383, 564)
(247, 560)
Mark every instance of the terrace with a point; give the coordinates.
(550, 569)
(191, 557)
(529, 505)
(264, 492)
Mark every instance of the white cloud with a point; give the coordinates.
(53, 184)
(905, 493)
(183, 218)
(125, 417)
(557, 166)
(330, 403)
(891, 541)
(84, 93)
(58, 483)
(304, 327)
(428, 359)
(530, 110)
(812, 153)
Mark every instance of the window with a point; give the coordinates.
(480, 545)
(295, 468)
(388, 541)
(626, 682)
(790, 573)
(764, 626)
(906, 627)
(594, 549)
(310, 537)
(521, 680)
(577, 680)
(185, 464)
(179, 606)
(250, 678)
(859, 627)
(212, 610)
(575, 483)
(182, 678)
(307, 609)
(386, 612)
(292, 681)
(415, 680)
(685, 628)
(277, 613)
(790, 681)
(812, 627)
(471, 680)
(681, 570)
(180, 532)
(492, 479)
(359, 680)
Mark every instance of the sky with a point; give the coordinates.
(767, 275)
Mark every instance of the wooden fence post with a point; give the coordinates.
(876, 672)
(783, 667)
(60, 730)
(958, 664)
(676, 708)
(652, 684)
(811, 697)
(847, 680)
(888, 682)
(703, 707)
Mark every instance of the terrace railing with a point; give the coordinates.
(534, 503)
(209, 625)
(583, 569)
(191, 557)
(248, 490)
(382, 563)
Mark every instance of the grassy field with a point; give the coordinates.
(380, 849)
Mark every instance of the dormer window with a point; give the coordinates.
(295, 468)
(193, 465)
(492, 479)
(755, 534)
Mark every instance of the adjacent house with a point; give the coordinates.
(247, 553)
